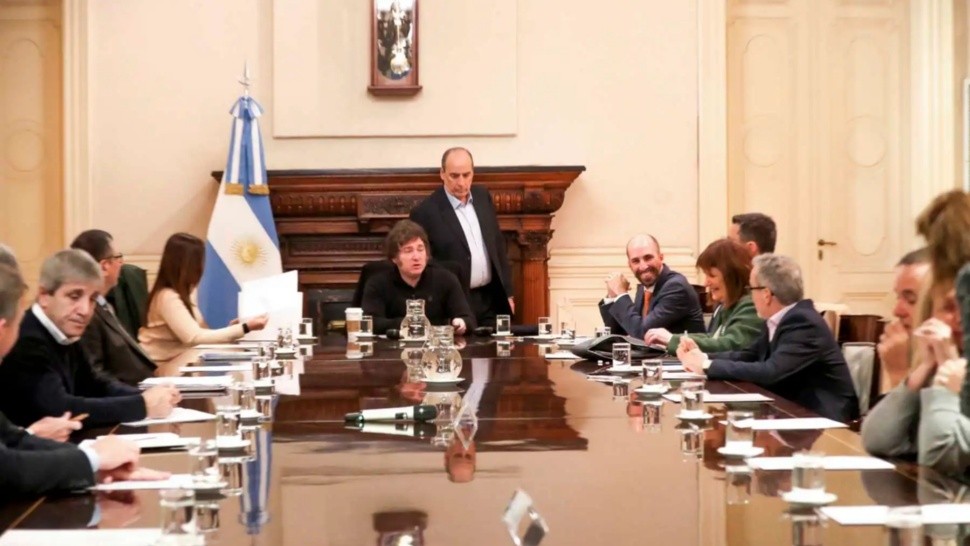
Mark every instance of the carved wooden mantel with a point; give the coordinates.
(331, 222)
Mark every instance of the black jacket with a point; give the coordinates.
(674, 306)
(40, 378)
(386, 295)
(448, 243)
(32, 466)
(112, 349)
(802, 363)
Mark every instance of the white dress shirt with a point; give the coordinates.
(481, 274)
(776, 319)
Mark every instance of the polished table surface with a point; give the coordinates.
(597, 473)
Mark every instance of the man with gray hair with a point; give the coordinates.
(796, 356)
(48, 373)
(7, 257)
(31, 465)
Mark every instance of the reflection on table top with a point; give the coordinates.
(603, 465)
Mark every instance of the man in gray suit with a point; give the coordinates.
(106, 341)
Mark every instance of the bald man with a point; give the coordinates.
(664, 298)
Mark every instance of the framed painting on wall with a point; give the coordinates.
(394, 48)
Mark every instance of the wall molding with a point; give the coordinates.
(712, 155)
(148, 262)
(78, 201)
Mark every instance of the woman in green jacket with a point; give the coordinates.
(735, 325)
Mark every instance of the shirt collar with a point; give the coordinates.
(101, 301)
(775, 320)
(455, 202)
(50, 326)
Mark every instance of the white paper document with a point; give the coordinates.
(178, 415)
(933, 514)
(157, 440)
(837, 462)
(803, 423)
(175, 481)
(226, 369)
(81, 537)
(193, 382)
(724, 398)
(562, 355)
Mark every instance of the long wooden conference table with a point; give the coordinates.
(599, 465)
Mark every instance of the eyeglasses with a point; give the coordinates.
(118, 256)
(759, 288)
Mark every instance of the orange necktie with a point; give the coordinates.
(646, 302)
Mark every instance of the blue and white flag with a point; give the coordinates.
(242, 243)
(254, 503)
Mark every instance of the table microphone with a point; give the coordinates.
(406, 413)
(418, 429)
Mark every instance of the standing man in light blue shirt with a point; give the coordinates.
(462, 227)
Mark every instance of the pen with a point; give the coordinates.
(80, 417)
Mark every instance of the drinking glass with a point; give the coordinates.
(306, 327)
(808, 475)
(567, 330)
(602, 331)
(740, 433)
(227, 421)
(691, 440)
(652, 412)
(692, 398)
(367, 325)
(178, 516)
(243, 395)
(621, 354)
(261, 367)
(653, 373)
(503, 325)
(545, 326)
(353, 316)
(904, 526)
(205, 463)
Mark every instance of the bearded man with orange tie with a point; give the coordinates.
(664, 298)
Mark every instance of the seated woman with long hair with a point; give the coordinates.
(735, 324)
(174, 322)
(921, 416)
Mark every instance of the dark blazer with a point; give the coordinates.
(31, 466)
(41, 377)
(386, 294)
(803, 363)
(130, 297)
(674, 306)
(437, 217)
(110, 348)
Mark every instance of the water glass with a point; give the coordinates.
(545, 326)
(243, 395)
(367, 325)
(353, 316)
(691, 440)
(207, 516)
(205, 463)
(503, 325)
(178, 516)
(503, 348)
(602, 331)
(227, 421)
(652, 412)
(808, 475)
(740, 432)
(737, 482)
(652, 372)
(904, 526)
(621, 354)
(692, 398)
(261, 368)
(306, 327)
(567, 330)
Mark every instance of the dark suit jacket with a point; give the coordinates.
(437, 217)
(111, 349)
(674, 306)
(41, 377)
(130, 297)
(803, 363)
(386, 294)
(31, 466)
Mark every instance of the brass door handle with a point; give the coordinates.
(823, 242)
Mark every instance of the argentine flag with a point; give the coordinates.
(242, 243)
